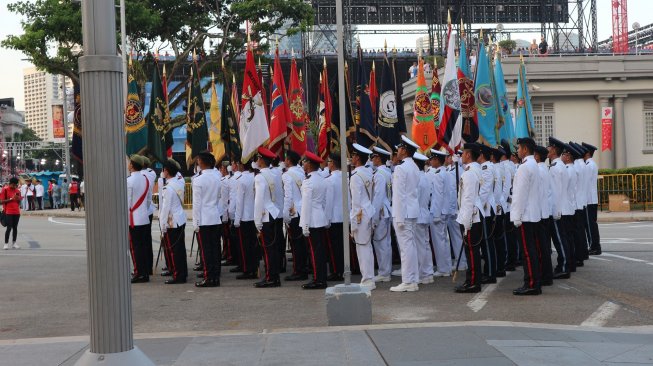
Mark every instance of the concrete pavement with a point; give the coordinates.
(466, 343)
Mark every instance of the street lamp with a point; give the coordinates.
(636, 29)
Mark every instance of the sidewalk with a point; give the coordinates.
(470, 343)
(603, 217)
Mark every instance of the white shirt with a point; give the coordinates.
(277, 172)
(581, 187)
(559, 187)
(497, 193)
(151, 176)
(224, 197)
(81, 188)
(233, 191)
(206, 195)
(39, 190)
(470, 183)
(485, 200)
(362, 211)
(137, 187)
(405, 204)
(171, 213)
(29, 190)
(333, 209)
(382, 183)
(292, 192)
(451, 190)
(525, 192)
(265, 204)
(438, 178)
(244, 198)
(592, 177)
(313, 202)
(570, 204)
(545, 190)
(508, 175)
(425, 193)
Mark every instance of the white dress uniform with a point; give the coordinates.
(172, 204)
(233, 190)
(545, 190)
(266, 197)
(244, 198)
(581, 192)
(313, 222)
(362, 211)
(382, 237)
(438, 226)
(451, 210)
(569, 206)
(151, 176)
(468, 217)
(405, 210)
(224, 197)
(559, 188)
(424, 254)
(139, 223)
(292, 199)
(592, 177)
(206, 196)
(333, 208)
(137, 184)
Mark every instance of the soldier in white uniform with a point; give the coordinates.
(499, 236)
(206, 218)
(592, 200)
(559, 189)
(441, 248)
(510, 243)
(266, 212)
(544, 236)
(139, 223)
(280, 239)
(362, 211)
(292, 210)
(161, 182)
(244, 227)
(405, 210)
(486, 205)
(454, 170)
(313, 221)
(469, 218)
(381, 222)
(227, 245)
(234, 233)
(526, 214)
(151, 177)
(569, 204)
(333, 213)
(581, 203)
(172, 221)
(424, 219)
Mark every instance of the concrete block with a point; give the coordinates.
(348, 305)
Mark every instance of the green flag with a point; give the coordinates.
(230, 117)
(156, 119)
(197, 133)
(135, 127)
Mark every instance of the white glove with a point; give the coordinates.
(286, 220)
(400, 225)
(237, 224)
(517, 223)
(196, 229)
(259, 227)
(556, 217)
(164, 228)
(306, 232)
(437, 220)
(328, 225)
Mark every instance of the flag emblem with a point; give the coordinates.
(452, 94)
(134, 115)
(297, 108)
(388, 109)
(423, 104)
(484, 98)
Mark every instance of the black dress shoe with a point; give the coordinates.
(172, 281)
(198, 268)
(208, 283)
(296, 277)
(230, 263)
(265, 284)
(526, 291)
(595, 252)
(236, 270)
(547, 283)
(487, 280)
(164, 269)
(247, 276)
(466, 288)
(140, 279)
(561, 275)
(580, 264)
(200, 275)
(501, 274)
(335, 277)
(166, 273)
(314, 285)
(510, 269)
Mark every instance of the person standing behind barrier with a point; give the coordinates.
(64, 193)
(56, 193)
(39, 194)
(51, 193)
(172, 221)
(592, 200)
(30, 193)
(10, 198)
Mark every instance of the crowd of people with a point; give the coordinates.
(501, 206)
(62, 195)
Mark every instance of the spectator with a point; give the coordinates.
(74, 194)
(533, 49)
(412, 71)
(81, 195)
(30, 196)
(543, 47)
(64, 193)
(51, 193)
(56, 193)
(10, 198)
(23, 194)
(39, 194)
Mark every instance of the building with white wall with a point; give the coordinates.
(42, 91)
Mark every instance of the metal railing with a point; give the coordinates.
(644, 189)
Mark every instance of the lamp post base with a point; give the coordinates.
(133, 357)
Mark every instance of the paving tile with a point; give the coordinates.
(499, 333)
(603, 351)
(39, 354)
(548, 356)
(229, 350)
(485, 361)
(641, 354)
(164, 351)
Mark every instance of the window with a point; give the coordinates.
(543, 119)
(648, 124)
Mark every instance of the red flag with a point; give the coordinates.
(279, 110)
(264, 93)
(253, 124)
(297, 111)
(325, 110)
(423, 131)
(374, 91)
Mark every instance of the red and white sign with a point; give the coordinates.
(606, 128)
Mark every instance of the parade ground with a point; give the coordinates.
(603, 315)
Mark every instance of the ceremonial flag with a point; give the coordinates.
(486, 99)
(399, 91)
(524, 125)
(215, 130)
(280, 118)
(169, 141)
(197, 134)
(450, 118)
(467, 104)
(77, 127)
(297, 111)
(351, 123)
(325, 111)
(135, 126)
(463, 57)
(253, 125)
(366, 133)
(436, 90)
(423, 132)
(156, 118)
(374, 91)
(229, 125)
(387, 122)
(264, 93)
(507, 130)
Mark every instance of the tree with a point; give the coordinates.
(508, 44)
(52, 31)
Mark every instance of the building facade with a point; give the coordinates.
(44, 103)
(569, 95)
(11, 121)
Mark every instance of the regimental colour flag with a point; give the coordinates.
(280, 118)
(486, 102)
(253, 125)
(325, 113)
(450, 118)
(229, 125)
(197, 134)
(169, 141)
(135, 127)
(387, 122)
(507, 129)
(423, 132)
(157, 119)
(215, 130)
(524, 114)
(467, 103)
(436, 90)
(297, 111)
(365, 131)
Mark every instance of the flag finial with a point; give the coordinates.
(212, 77)
(164, 70)
(521, 58)
(292, 52)
(462, 27)
(223, 62)
(449, 17)
(324, 62)
(385, 45)
(373, 66)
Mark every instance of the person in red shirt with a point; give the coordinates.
(74, 194)
(10, 199)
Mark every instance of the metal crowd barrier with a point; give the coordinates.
(644, 189)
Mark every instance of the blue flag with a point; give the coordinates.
(463, 60)
(507, 129)
(486, 105)
(524, 126)
(365, 128)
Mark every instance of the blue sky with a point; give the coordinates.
(11, 78)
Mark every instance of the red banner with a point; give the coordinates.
(606, 128)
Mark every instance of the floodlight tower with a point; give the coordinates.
(620, 26)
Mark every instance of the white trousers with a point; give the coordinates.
(383, 247)
(365, 255)
(407, 250)
(456, 240)
(424, 255)
(441, 246)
